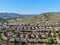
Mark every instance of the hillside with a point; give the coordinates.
(13, 17)
(50, 16)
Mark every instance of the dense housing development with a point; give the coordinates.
(36, 33)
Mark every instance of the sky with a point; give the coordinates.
(29, 6)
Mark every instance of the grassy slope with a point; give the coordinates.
(52, 16)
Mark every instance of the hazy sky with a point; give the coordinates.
(29, 6)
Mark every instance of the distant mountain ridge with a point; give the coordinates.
(49, 16)
(12, 15)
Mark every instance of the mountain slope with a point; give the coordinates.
(50, 16)
(13, 17)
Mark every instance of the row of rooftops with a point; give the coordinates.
(26, 23)
(30, 26)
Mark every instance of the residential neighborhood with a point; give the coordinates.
(48, 32)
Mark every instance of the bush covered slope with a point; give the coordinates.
(50, 16)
